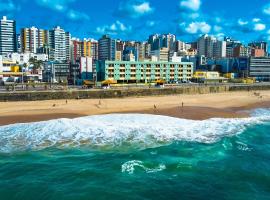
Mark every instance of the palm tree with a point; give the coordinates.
(36, 64)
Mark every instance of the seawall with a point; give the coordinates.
(121, 93)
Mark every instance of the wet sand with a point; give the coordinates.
(197, 107)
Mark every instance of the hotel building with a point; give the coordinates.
(144, 72)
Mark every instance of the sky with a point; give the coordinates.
(244, 20)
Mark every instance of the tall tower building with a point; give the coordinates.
(59, 42)
(94, 49)
(32, 39)
(162, 41)
(8, 38)
(206, 46)
(106, 48)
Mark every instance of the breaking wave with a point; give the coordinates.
(118, 130)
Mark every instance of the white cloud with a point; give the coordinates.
(58, 5)
(114, 28)
(242, 22)
(150, 23)
(7, 6)
(220, 36)
(193, 5)
(256, 19)
(266, 9)
(75, 15)
(142, 8)
(134, 8)
(259, 27)
(63, 6)
(198, 27)
(217, 28)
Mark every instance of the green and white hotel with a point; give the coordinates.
(143, 72)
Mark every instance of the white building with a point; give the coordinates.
(8, 37)
(162, 54)
(206, 46)
(22, 58)
(220, 49)
(86, 65)
(59, 44)
(1, 63)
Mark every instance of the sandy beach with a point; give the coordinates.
(197, 107)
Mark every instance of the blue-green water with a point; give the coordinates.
(136, 157)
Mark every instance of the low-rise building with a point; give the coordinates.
(56, 72)
(259, 68)
(144, 72)
(22, 58)
(208, 77)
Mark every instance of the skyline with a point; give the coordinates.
(137, 19)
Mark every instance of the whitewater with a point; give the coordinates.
(136, 131)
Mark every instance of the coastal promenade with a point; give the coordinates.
(122, 92)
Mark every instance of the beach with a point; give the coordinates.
(196, 107)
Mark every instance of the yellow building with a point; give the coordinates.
(207, 76)
(86, 48)
(15, 68)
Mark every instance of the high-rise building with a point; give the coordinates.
(241, 51)
(259, 45)
(219, 49)
(206, 46)
(85, 48)
(8, 38)
(230, 45)
(68, 46)
(32, 39)
(106, 48)
(19, 44)
(94, 49)
(59, 44)
(161, 54)
(162, 41)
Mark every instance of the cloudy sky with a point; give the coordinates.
(244, 20)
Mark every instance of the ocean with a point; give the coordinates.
(133, 156)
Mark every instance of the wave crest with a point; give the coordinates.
(137, 130)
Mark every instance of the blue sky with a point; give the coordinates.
(245, 20)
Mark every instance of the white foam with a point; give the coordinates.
(139, 131)
(130, 167)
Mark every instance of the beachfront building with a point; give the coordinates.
(259, 68)
(56, 72)
(144, 72)
(208, 77)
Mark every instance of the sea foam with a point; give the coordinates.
(117, 130)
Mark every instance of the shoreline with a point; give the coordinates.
(196, 107)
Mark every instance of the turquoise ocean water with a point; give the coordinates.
(136, 157)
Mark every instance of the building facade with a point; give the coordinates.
(106, 48)
(259, 68)
(32, 39)
(8, 37)
(144, 72)
(59, 45)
